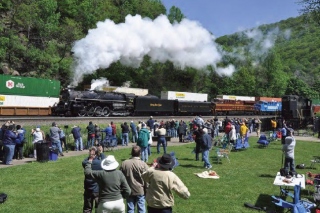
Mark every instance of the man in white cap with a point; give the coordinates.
(162, 182)
(113, 186)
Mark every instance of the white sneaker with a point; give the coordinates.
(209, 167)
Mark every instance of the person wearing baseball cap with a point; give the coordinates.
(162, 182)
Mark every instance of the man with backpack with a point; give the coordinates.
(142, 142)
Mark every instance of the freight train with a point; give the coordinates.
(103, 104)
(246, 105)
(27, 96)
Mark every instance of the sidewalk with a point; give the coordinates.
(173, 142)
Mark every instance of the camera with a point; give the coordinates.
(66, 126)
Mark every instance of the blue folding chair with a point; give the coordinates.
(298, 205)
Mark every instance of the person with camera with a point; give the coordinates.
(62, 137)
(9, 143)
(91, 187)
(288, 150)
(38, 137)
(20, 141)
(91, 135)
(76, 132)
(55, 138)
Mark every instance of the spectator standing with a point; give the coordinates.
(113, 186)
(114, 129)
(162, 183)
(288, 149)
(55, 138)
(76, 132)
(243, 131)
(2, 131)
(232, 134)
(283, 134)
(181, 132)
(63, 141)
(206, 146)
(139, 126)
(108, 132)
(227, 129)
(257, 123)
(133, 169)
(91, 135)
(125, 134)
(97, 134)
(38, 137)
(162, 139)
(134, 131)
(274, 125)
(142, 142)
(197, 135)
(20, 140)
(9, 145)
(91, 187)
(150, 124)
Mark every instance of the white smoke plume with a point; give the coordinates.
(98, 84)
(186, 44)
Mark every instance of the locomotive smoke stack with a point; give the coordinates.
(186, 44)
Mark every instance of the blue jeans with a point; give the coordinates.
(57, 144)
(205, 157)
(90, 141)
(144, 154)
(134, 136)
(79, 144)
(8, 153)
(125, 139)
(162, 140)
(149, 150)
(133, 200)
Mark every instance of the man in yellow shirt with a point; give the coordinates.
(274, 125)
(243, 131)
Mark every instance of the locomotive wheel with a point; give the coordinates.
(105, 112)
(82, 112)
(91, 111)
(98, 111)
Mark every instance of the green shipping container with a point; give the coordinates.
(27, 86)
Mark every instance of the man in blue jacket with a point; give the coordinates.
(9, 145)
(91, 187)
(76, 132)
(19, 143)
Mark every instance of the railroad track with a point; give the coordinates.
(47, 120)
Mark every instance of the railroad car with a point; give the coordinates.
(27, 96)
(268, 108)
(297, 111)
(228, 107)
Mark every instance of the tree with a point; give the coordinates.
(175, 15)
(311, 9)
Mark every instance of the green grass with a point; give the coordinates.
(58, 186)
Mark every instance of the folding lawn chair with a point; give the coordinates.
(298, 205)
(263, 141)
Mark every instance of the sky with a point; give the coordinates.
(224, 17)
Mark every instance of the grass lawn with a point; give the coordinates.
(58, 186)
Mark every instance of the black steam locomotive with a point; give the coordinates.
(297, 111)
(103, 104)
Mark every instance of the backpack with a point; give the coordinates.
(3, 197)
(141, 137)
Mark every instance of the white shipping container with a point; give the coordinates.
(136, 91)
(234, 97)
(26, 101)
(185, 96)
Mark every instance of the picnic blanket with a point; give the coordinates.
(208, 174)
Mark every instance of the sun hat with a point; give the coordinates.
(165, 162)
(109, 163)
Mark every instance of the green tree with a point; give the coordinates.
(175, 15)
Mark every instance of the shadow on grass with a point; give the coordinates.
(265, 201)
(267, 176)
(190, 166)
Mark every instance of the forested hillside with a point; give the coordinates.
(37, 36)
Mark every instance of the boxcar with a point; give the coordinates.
(27, 96)
(193, 108)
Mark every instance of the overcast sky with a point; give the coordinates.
(223, 17)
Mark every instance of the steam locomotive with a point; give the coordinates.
(103, 104)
